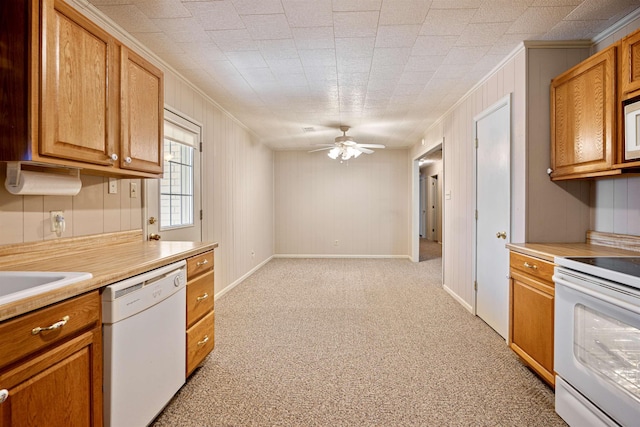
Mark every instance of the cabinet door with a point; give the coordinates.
(142, 114)
(200, 341)
(62, 387)
(630, 73)
(583, 118)
(531, 325)
(76, 100)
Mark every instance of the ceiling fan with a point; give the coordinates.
(345, 147)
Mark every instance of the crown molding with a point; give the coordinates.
(617, 26)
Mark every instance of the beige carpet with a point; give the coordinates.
(310, 342)
(429, 250)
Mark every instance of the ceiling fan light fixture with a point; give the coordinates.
(352, 152)
(334, 153)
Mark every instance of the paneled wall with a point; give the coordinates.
(615, 203)
(362, 204)
(237, 185)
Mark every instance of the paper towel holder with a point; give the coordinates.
(14, 172)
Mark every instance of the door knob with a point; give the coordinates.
(154, 236)
(501, 234)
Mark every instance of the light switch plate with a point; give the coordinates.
(133, 190)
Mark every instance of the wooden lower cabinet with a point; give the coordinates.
(59, 381)
(200, 341)
(531, 313)
(200, 309)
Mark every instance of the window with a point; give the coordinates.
(176, 185)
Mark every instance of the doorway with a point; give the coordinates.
(493, 214)
(428, 206)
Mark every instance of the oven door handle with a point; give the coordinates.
(597, 295)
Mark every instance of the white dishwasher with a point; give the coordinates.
(144, 344)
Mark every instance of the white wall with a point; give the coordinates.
(363, 204)
(615, 202)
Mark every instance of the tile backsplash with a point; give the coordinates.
(93, 211)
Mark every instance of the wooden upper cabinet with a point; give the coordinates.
(142, 114)
(630, 60)
(74, 95)
(76, 106)
(583, 118)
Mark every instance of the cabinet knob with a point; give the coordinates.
(204, 341)
(114, 157)
(4, 393)
(203, 297)
(532, 266)
(127, 159)
(154, 236)
(501, 234)
(201, 263)
(549, 171)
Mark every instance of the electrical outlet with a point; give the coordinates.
(133, 190)
(52, 216)
(335, 242)
(113, 186)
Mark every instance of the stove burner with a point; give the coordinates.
(624, 265)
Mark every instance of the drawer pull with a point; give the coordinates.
(201, 263)
(203, 297)
(204, 341)
(57, 325)
(4, 393)
(527, 265)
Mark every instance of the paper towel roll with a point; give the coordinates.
(45, 184)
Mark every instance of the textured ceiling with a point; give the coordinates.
(387, 68)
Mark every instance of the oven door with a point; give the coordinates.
(597, 342)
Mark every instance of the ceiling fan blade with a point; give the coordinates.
(371, 145)
(320, 149)
(323, 145)
(362, 149)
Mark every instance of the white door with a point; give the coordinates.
(493, 204)
(173, 203)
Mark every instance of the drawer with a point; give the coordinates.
(199, 297)
(199, 264)
(532, 266)
(19, 341)
(200, 342)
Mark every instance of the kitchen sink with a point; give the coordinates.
(16, 285)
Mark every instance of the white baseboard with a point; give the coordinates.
(458, 299)
(340, 256)
(242, 279)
